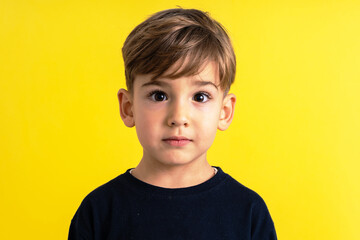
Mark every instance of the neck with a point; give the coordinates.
(178, 176)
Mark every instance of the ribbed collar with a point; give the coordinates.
(143, 187)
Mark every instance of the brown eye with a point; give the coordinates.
(158, 96)
(201, 97)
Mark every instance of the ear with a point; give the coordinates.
(227, 111)
(125, 104)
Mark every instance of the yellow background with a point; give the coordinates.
(295, 137)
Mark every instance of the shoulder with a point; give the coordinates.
(111, 190)
(96, 207)
(98, 203)
(240, 192)
(243, 200)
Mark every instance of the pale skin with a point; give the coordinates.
(176, 122)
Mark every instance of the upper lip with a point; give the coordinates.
(178, 138)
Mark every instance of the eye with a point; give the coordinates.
(201, 97)
(158, 96)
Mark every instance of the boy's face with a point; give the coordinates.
(176, 119)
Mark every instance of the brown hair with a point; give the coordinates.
(173, 36)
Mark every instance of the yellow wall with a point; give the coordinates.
(295, 138)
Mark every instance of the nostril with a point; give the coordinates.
(175, 123)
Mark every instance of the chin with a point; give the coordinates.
(177, 160)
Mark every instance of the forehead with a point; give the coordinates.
(207, 72)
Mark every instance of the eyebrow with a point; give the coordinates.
(162, 83)
(204, 83)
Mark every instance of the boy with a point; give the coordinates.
(179, 65)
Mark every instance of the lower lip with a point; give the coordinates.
(177, 143)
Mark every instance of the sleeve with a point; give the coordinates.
(81, 225)
(262, 226)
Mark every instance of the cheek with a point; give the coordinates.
(146, 124)
(210, 114)
(208, 121)
(144, 134)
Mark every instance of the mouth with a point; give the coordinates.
(177, 141)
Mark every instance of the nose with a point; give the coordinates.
(178, 114)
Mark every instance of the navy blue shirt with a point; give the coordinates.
(126, 208)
